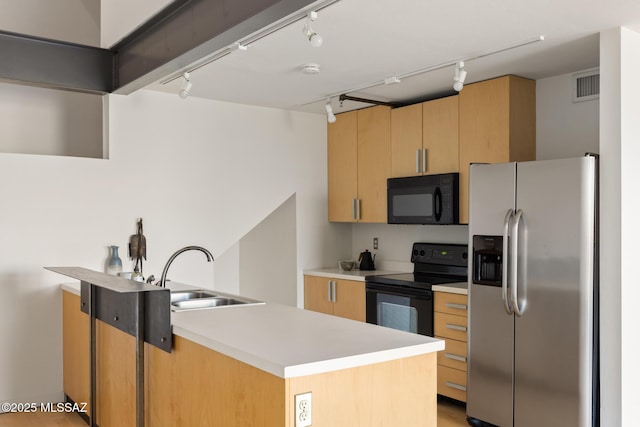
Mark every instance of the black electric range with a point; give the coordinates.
(405, 301)
(433, 264)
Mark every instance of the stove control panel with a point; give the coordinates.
(436, 253)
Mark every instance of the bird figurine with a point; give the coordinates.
(138, 246)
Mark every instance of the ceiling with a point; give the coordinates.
(367, 41)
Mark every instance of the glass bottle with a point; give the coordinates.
(114, 263)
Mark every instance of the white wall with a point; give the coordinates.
(120, 17)
(564, 128)
(75, 21)
(620, 231)
(60, 123)
(198, 172)
(268, 257)
(395, 241)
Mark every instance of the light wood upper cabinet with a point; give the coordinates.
(424, 138)
(440, 135)
(497, 124)
(406, 141)
(342, 157)
(374, 150)
(358, 157)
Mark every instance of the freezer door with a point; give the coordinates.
(490, 365)
(553, 336)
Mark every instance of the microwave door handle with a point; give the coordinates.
(505, 262)
(437, 197)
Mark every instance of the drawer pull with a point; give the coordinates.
(456, 386)
(456, 327)
(455, 357)
(456, 306)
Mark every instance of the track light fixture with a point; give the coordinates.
(331, 118)
(186, 86)
(459, 76)
(314, 38)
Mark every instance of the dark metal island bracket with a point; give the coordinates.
(138, 309)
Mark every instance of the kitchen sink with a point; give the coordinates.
(180, 296)
(202, 299)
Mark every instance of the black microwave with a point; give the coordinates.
(427, 199)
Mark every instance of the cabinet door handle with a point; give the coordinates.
(456, 327)
(455, 357)
(456, 306)
(358, 209)
(418, 161)
(334, 292)
(456, 386)
(329, 295)
(424, 160)
(353, 209)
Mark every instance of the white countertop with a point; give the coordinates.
(336, 273)
(452, 288)
(290, 342)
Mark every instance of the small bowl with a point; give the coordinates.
(346, 265)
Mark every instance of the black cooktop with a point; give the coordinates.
(433, 264)
(413, 280)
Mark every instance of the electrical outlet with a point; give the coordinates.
(375, 243)
(303, 409)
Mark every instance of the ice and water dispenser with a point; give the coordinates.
(487, 260)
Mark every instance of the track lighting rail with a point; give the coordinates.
(345, 97)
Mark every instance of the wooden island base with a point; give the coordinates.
(196, 386)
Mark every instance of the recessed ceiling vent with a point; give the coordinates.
(586, 85)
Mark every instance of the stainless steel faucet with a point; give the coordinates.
(163, 279)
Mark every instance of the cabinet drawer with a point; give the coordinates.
(445, 302)
(454, 354)
(452, 383)
(450, 326)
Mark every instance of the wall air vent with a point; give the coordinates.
(586, 85)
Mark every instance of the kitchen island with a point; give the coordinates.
(244, 365)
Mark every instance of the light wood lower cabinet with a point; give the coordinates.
(115, 370)
(75, 349)
(343, 298)
(450, 324)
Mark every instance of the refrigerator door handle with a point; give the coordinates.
(518, 310)
(505, 262)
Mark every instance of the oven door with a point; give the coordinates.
(397, 307)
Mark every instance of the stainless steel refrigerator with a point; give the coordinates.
(533, 307)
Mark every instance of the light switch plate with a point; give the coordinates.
(303, 409)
